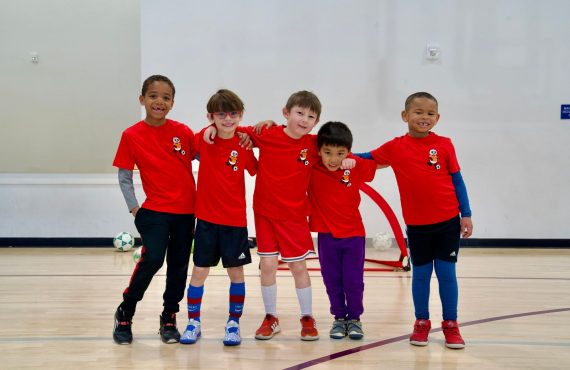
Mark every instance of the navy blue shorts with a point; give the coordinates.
(428, 242)
(213, 241)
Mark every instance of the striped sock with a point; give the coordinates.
(237, 298)
(194, 301)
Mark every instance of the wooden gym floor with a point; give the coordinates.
(57, 305)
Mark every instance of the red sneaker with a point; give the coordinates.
(269, 327)
(421, 331)
(452, 337)
(309, 328)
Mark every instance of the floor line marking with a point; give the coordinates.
(384, 342)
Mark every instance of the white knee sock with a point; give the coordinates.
(269, 294)
(305, 296)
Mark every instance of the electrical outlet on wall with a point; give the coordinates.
(433, 52)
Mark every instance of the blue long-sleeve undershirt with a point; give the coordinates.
(461, 192)
(367, 155)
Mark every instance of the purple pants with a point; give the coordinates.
(342, 267)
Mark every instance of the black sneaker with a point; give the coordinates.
(168, 331)
(122, 333)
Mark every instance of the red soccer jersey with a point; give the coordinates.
(164, 157)
(221, 183)
(423, 169)
(335, 198)
(283, 173)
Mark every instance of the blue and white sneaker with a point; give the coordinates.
(192, 332)
(232, 337)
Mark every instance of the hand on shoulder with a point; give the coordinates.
(260, 125)
(209, 134)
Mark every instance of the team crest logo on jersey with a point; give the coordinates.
(177, 146)
(233, 160)
(433, 159)
(303, 156)
(345, 179)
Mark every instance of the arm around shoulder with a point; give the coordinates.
(368, 155)
(365, 155)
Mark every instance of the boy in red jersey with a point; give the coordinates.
(334, 195)
(436, 211)
(162, 150)
(221, 226)
(280, 204)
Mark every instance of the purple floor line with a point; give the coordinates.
(350, 351)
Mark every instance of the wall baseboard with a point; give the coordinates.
(108, 242)
(514, 243)
(59, 242)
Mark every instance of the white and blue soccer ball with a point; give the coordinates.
(124, 241)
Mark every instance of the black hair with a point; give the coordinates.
(335, 134)
(155, 78)
(421, 94)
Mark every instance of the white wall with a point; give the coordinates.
(501, 79)
(63, 205)
(502, 76)
(68, 206)
(62, 115)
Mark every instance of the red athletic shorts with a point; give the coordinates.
(291, 239)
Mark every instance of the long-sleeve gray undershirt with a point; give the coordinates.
(127, 188)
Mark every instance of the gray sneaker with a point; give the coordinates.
(338, 329)
(354, 329)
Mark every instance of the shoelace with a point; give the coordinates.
(338, 325)
(355, 323)
(421, 328)
(267, 320)
(452, 330)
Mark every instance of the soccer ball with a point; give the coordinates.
(123, 241)
(137, 254)
(382, 241)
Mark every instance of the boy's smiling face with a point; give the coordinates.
(421, 117)
(226, 122)
(300, 121)
(157, 101)
(332, 156)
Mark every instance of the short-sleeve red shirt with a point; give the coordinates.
(423, 168)
(163, 156)
(221, 182)
(335, 198)
(283, 173)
